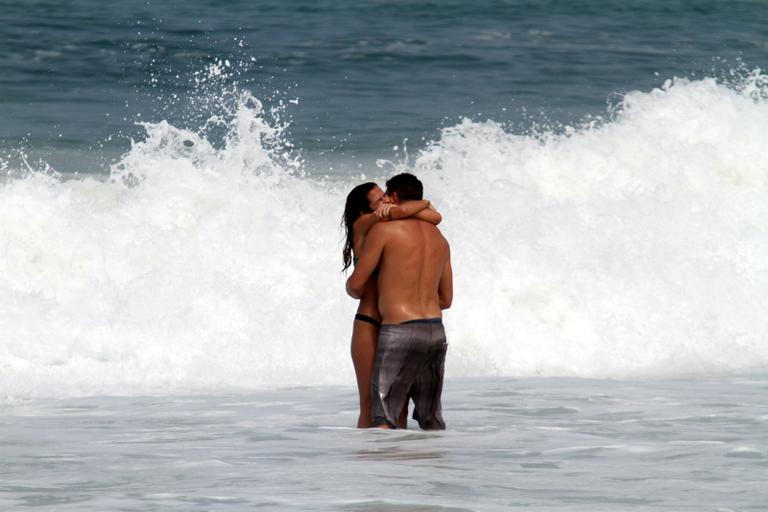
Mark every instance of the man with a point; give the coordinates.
(415, 284)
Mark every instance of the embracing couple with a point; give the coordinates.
(403, 279)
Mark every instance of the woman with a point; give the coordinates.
(365, 206)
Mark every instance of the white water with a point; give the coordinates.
(638, 247)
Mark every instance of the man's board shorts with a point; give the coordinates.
(410, 363)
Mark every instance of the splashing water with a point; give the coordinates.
(632, 247)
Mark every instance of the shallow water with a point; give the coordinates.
(533, 444)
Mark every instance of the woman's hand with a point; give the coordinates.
(383, 212)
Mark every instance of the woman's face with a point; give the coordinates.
(375, 198)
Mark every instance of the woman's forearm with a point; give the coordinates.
(408, 209)
(429, 215)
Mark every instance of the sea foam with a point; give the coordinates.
(633, 247)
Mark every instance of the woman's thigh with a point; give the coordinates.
(364, 340)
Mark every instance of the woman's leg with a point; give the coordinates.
(364, 340)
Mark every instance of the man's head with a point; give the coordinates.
(404, 187)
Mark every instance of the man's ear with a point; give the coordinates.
(393, 198)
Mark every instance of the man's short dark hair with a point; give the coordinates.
(406, 186)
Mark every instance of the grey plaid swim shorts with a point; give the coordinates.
(410, 362)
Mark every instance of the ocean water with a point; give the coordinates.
(513, 444)
(634, 248)
(77, 76)
(172, 178)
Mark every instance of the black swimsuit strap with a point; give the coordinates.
(366, 318)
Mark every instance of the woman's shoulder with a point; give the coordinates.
(363, 224)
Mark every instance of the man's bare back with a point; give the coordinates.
(414, 278)
(414, 259)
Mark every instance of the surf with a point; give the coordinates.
(631, 246)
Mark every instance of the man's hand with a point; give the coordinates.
(384, 211)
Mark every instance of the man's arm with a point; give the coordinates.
(369, 260)
(445, 288)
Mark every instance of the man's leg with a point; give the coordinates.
(428, 389)
(393, 375)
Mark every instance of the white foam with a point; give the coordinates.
(634, 248)
(637, 247)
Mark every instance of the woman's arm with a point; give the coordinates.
(421, 209)
(430, 215)
(409, 209)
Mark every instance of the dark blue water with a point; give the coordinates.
(77, 76)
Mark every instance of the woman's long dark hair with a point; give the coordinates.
(356, 205)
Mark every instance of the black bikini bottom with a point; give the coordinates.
(366, 318)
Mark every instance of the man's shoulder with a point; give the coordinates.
(394, 229)
(381, 229)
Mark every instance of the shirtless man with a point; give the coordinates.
(415, 284)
